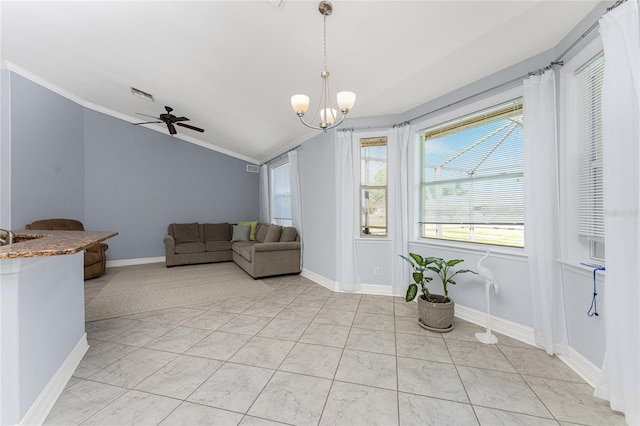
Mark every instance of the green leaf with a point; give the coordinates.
(419, 260)
(454, 262)
(417, 277)
(407, 259)
(434, 269)
(412, 291)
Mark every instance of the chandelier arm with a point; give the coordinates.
(324, 129)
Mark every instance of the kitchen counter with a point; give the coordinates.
(32, 243)
(42, 320)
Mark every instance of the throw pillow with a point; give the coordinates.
(241, 233)
(289, 233)
(273, 236)
(261, 233)
(254, 225)
(186, 232)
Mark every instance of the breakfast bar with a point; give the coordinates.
(42, 332)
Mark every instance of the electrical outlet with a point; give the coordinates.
(376, 271)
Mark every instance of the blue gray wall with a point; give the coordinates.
(72, 162)
(316, 159)
(47, 154)
(137, 181)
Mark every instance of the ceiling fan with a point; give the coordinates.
(170, 119)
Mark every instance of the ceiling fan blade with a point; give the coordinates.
(147, 115)
(197, 129)
(180, 119)
(172, 129)
(147, 122)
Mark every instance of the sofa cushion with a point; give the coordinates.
(273, 235)
(216, 232)
(217, 245)
(254, 227)
(240, 233)
(261, 233)
(289, 233)
(244, 249)
(191, 247)
(185, 232)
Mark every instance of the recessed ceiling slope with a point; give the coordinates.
(231, 66)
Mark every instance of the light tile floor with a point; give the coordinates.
(304, 355)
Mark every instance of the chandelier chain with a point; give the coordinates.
(324, 17)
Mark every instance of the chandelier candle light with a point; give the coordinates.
(328, 114)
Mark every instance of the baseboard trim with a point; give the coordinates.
(41, 407)
(375, 289)
(572, 358)
(131, 262)
(319, 279)
(500, 325)
(581, 366)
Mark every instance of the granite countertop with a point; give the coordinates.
(32, 243)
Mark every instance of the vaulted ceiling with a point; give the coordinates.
(231, 66)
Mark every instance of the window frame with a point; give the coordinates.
(574, 249)
(272, 169)
(465, 109)
(362, 187)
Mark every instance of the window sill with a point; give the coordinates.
(513, 253)
(374, 240)
(579, 268)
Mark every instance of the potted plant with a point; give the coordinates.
(435, 311)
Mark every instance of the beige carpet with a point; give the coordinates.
(143, 288)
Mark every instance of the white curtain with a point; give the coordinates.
(296, 205)
(620, 376)
(264, 194)
(398, 169)
(542, 217)
(347, 212)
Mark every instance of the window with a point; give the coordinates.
(373, 186)
(472, 171)
(590, 187)
(281, 195)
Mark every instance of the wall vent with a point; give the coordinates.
(252, 168)
(141, 94)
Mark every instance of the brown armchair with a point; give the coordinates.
(95, 258)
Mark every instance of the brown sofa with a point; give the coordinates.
(275, 250)
(95, 257)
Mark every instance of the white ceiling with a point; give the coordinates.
(231, 66)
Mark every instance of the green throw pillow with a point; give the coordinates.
(253, 225)
(240, 233)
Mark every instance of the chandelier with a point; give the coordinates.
(328, 114)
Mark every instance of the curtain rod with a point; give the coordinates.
(280, 155)
(551, 65)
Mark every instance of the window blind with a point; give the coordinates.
(281, 190)
(590, 186)
(473, 169)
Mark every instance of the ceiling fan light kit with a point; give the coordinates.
(326, 111)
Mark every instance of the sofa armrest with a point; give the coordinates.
(170, 242)
(170, 251)
(293, 245)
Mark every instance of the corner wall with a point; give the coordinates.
(138, 181)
